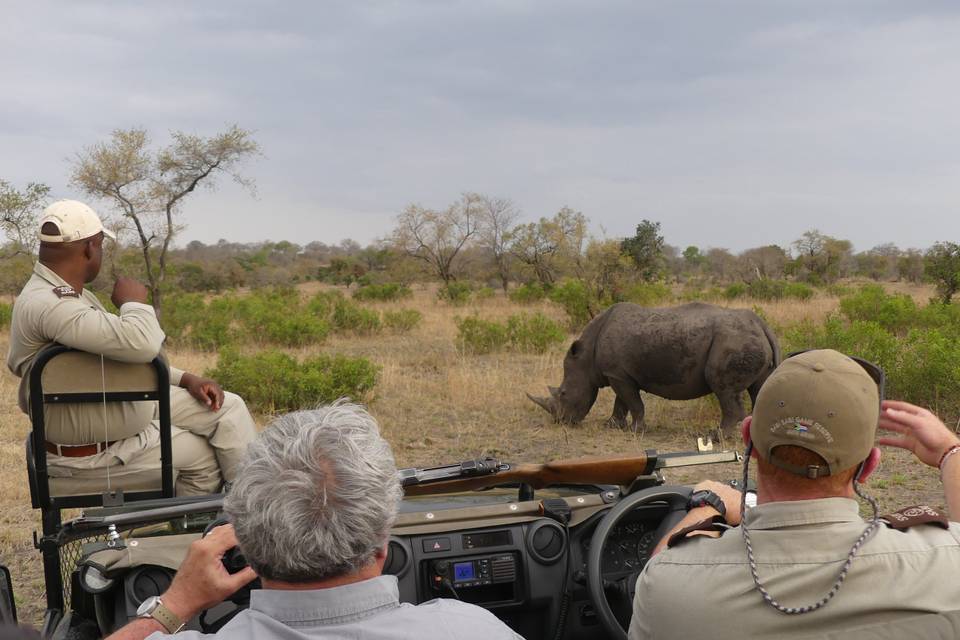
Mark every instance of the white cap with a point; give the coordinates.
(74, 220)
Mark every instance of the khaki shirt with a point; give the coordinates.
(41, 317)
(702, 588)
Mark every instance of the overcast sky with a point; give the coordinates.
(734, 124)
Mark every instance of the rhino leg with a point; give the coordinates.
(731, 407)
(618, 419)
(628, 398)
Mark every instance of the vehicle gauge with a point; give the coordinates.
(645, 546)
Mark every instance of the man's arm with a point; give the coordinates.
(923, 433)
(200, 583)
(133, 336)
(731, 502)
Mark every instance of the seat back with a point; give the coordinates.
(64, 376)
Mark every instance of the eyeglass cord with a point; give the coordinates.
(769, 599)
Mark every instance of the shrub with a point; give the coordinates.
(533, 333)
(455, 292)
(402, 320)
(894, 313)
(382, 292)
(180, 311)
(480, 336)
(648, 294)
(735, 290)
(323, 303)
(277, 316)
(351, 317)
(484, 293)
(6, 313)
(214, 328)
(528, 293)
(574, 297)
(273, 381)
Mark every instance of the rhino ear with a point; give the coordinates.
(576, 348)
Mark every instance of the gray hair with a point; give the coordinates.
(316, 494)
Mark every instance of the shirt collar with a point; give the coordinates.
(49, 274)
(773, 515)
(328, 606)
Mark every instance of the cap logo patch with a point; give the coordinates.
(801, 428)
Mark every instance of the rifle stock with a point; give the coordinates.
(621, 470)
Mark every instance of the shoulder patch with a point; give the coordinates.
(65, 291)
(913, 516)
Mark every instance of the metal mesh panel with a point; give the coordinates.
(70, 554)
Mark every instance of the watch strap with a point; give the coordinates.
(707, 497)
(167, 618)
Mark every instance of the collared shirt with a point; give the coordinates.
(370, 609)
(79, 320)
(702, 588)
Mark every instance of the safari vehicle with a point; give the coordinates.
(552, 549)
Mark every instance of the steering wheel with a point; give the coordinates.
(676, 499)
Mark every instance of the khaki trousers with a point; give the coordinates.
(207, 447)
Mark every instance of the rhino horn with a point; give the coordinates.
(553, 391)
(546, 404)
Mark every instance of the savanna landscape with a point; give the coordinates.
(444, 390)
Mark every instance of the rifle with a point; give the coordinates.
(484, 473)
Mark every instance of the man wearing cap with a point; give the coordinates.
(804, 561)
(212, 428)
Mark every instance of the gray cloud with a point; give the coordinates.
(735, 124)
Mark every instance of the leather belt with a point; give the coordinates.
(77, 450)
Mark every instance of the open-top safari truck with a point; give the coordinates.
(552, 549)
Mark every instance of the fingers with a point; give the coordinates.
(899, 443)
(222, 538)
(241, 578)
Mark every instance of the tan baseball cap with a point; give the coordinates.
(74, 220)
(822, 401)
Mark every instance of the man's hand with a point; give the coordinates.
(202, 581)
(205, 390)
(128, 290)
(920, 431)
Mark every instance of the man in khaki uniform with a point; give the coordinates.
(804, 562)
(211, 428)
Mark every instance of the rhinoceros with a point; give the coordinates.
(678, 353)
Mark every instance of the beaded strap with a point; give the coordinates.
(946, 456)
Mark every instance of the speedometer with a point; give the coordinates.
(644, 546)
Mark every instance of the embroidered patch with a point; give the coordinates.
(65, 291)
(912, 516)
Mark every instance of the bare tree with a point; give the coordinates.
(148, 188)
(18, 216)
(499, 215)
(437, 237)
(552, 244)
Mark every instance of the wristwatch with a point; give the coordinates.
(152, 607)
(706, 497)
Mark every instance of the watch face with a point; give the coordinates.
(148, 605)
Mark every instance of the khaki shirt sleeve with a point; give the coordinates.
(133, 336)
(175, 376)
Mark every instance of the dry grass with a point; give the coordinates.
(436, 406)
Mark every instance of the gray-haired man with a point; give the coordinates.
(311, 508)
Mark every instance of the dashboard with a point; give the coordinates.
(528, 569)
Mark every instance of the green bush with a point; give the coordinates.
(180, 310)
(648, 294)
(574, 297)
(484, 293)
(528, 293)
(896, 313)
(351, 317)
(382, 292)
(735, 290)
(480, 336)
(6, 313)
(273, 381)
(323, 303)
(455, 292)
(797, 291)
(402, 320)
(533, 333)
(215, 327)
